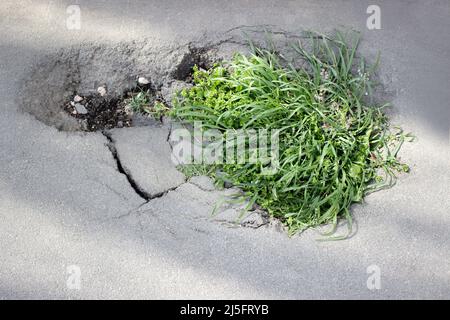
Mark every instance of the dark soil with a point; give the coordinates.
(103, 113)
(195, 56)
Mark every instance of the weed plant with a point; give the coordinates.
(335, 144)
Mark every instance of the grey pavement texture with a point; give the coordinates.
(64, 202)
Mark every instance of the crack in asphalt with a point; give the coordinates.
(137, 210)
(112, 148)
(142, 193)
(229, 223)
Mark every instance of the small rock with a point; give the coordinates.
(77, 98)
(120, 124)
(101, 91)
(276, 225)
(254, 220)
(143, 81)
(227, 185)
(80, 108)
(84, 125)
(72, 103)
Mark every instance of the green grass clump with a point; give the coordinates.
(335, 145)
(192, 170)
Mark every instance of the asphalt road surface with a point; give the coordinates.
(71, 226)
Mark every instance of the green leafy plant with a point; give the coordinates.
(335, 145)
(159, 109)
(145, 103)
(139, 102)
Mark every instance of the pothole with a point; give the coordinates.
(81, 69)
(62, 90)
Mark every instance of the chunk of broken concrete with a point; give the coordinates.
(145, 156)
(102, 91)
(80, 108)
(143, 81)
(77, 98)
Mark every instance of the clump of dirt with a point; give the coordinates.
(98, 113)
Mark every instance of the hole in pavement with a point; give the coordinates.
(62, 90)
(195, 57)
